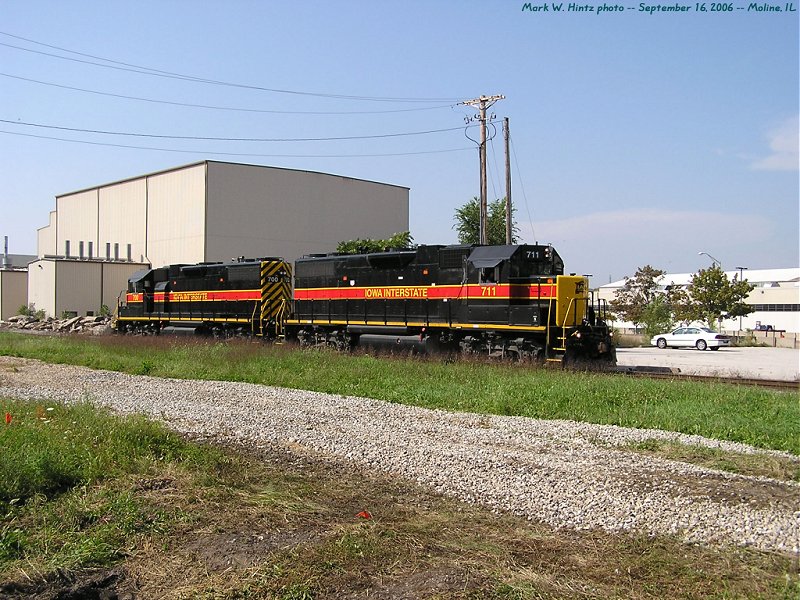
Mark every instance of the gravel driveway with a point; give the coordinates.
(562, 473)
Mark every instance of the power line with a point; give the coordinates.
(522, 185)
(227, 139)
(497, 172)
(121, 66)
(225, 108)
(205, 152)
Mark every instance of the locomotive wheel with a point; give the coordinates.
(570, 359)
(534, 354)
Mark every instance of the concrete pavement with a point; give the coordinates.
(760, 363)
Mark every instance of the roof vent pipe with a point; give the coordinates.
(5, 252)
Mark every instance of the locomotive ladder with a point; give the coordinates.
(562, 339)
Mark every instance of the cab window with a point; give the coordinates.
(490, 275)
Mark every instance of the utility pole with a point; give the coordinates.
(506, 135)
(741, 278)
(482, 104)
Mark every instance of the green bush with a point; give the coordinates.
(748, 339)
(29, 310)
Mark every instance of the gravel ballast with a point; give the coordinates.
(562, 473)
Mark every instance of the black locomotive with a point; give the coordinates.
(498, 300)
(246, 296)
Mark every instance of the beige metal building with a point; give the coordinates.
(215, 211)
(13, 292)
(13, 281)
(206, 211)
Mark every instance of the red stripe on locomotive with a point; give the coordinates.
(428, 292)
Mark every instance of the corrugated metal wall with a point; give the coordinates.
(41, 286)
(76, 222)
(123, 220)
(13, 292)
(176, 220)
(78, 286)
(263, 211)
(115, 281)
(46, 237)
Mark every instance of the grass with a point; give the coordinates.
(65, 483)
(179, 520)
(762, 418)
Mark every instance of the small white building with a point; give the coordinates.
(70, 287)
(775, 298)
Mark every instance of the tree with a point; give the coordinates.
(711, 296)
(402, 240)
(468, 218)
(657, 315)
(639, 291)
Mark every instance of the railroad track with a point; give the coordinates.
(675, 374)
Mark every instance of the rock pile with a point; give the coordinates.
(91, 325)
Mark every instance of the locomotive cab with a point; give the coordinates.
(140, 298)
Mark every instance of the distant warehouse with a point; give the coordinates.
(774, 301)
(206, 211)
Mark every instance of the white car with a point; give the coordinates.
(691, 337)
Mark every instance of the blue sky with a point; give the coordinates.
(637, 138)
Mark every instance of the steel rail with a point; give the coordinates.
(676, 375)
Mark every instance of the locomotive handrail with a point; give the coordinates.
(115, 315)
(280, 317)
(253, 320)
(547, 336)
(563, 324)
(566, 315)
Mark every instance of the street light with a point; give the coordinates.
(714, 261)
(741, 278)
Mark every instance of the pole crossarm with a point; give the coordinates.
(483, 100)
